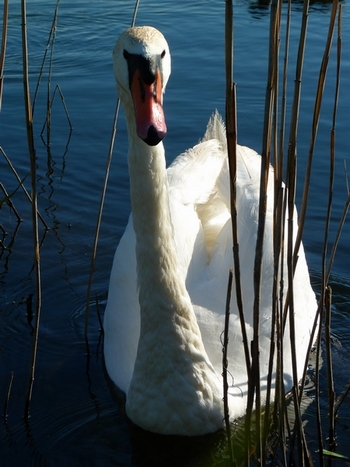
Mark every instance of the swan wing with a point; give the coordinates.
(200, 197)
(122, 314)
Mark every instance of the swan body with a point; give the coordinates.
(168, 285)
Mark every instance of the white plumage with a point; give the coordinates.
(166, 302)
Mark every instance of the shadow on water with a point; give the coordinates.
(157, 450)
(154, 450)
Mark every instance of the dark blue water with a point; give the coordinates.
(74, 420)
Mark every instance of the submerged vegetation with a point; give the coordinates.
(271, 433)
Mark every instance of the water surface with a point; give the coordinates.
(75, 419)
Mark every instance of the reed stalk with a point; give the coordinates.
(50, 99)
(318, 99)
(289, 202)
(99, 218)
(7, 200)
(225, 365)
(8, 394)
(231, 136)
(340, 400)
(325, 274)
(30, 137)
(49, 46)
(102, 199)
(275, 25)
(338, 234)
(330, 380)
(291, 183)
(46, 122)
(271, 89)
(21, 184)
(326, 290)
(292, 168)
(315, 121)
(332, 143)
(48, 102)
(284, 205)
(279, 416)
(317, 394)
(292, 264)
(3, 47)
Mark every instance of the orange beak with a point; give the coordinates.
(149, 114)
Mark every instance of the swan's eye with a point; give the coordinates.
(162, 54)
(126, 55)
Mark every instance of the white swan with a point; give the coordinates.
(166, 303)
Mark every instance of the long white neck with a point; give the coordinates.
(172, 367)
(159, 276)
(162, 292)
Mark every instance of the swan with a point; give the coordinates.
(168, 284)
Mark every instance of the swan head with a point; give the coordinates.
(141, 62)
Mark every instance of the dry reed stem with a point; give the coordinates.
(303, 454)
(99, 218)
(3, 48)
(300, 449)
(275, 24)
(340, 400)
(102, 199)
(316, 116)
(8, 394)
(292, 265)
(30, 136)
(280, 415)
(337, 237)
(46, 122)
(307, 177)
(317, 394)
(291, 182)
(8, 200)
(317, 107)
(330, 380)
(21, 182)
(48, 101)
(254, 380)
(225, 365)
(231, 136)
(346, 207)
(291, 186)
(11, 242)
(279, 161)
(49, 45)
(326, 291)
